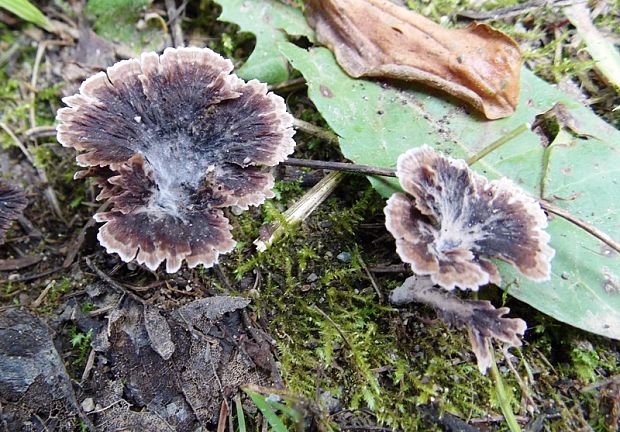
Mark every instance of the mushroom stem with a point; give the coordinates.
(388, 172)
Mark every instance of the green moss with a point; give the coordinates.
(334, 333)
(115, 19)
(80, 341)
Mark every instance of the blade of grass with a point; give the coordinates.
(269, 414)
(240, 415)
(26, 11)
(503, 397)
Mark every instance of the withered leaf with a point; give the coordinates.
(375, 38)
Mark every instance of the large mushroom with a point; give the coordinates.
(12, 203)
(458, 220)
(173, 140)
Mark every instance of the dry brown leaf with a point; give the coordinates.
(376, 38)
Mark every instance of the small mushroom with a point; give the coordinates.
(458, 220)
(173, 140)
(483, 321)
(12, 203)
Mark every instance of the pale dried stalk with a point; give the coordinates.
(303, 208)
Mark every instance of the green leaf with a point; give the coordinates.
(240, 415)
(265, 19)
(26, 11)
(579, 173)
(267, 411)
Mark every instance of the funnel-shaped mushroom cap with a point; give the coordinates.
(180, 138)
(459, 219)
(12, 204)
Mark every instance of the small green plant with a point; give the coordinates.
(275, 410)
(585, 361)
(80, 341)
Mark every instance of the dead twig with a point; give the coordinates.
(512, 11)
(371, 277)
(341, 166)
(110, 406)
(174, 23)
(35, 304)
(222, 276)
(525, 390)
(288, 86)
(19, 263)
(36, 275)
(221, 422)
(393, 268)
(40, 132)
(117, 286)
(89, 365)
(75, 247)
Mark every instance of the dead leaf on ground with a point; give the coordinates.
(19, 263)
(161, 370)
(477, 64)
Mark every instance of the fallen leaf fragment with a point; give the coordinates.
(483, 321)
(477, 64)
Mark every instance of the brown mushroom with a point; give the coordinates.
(172, 140)
(12, 203)
(483, 321)
(458, 220)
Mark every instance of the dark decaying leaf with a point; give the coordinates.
(174, 367)
(376, 38)
(483, 321)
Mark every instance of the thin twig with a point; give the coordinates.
(336, 326)
(288, 86)
(581, 224)
(25, 151)
(109, 406)
(40, 132)
(76, 245)
(525, 390)
(36, 275)
(89, 365)
(35, 304)
(341, 166)
(373, 281)
(391, 268)
(511, 11)
(299, 211)
(174, 23)
(117, 286)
